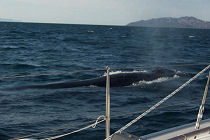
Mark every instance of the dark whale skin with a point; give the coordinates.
(116, 80)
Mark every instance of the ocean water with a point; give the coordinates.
(33, 49)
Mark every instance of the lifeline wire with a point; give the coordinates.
(172, 65)
(48, 74)
(91, 125)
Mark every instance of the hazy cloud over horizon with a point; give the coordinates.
(104, 12)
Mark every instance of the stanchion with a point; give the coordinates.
(107, 102)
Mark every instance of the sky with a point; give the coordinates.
(101, 12)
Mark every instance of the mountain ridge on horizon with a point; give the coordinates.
(171, 22)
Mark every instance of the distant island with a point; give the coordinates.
(8, 20)
(169, 22)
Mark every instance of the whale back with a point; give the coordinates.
(163, 73)
(116, 80)
(126, 79)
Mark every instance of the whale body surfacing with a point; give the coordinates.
(116, 80)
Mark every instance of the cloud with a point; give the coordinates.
(40, 2)
(65, 3)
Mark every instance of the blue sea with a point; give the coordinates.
(33, 49)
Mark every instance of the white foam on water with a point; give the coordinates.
(90, 31)
(159, 80)
(92, 86)
(118, 72)
(10, 47)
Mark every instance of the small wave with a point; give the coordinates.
(12, 47)
(90, 31)
(191, 36)
(18, 66)
(159, 80)
(92, 86)
(4, 137)
(17, 32)
(69, 39)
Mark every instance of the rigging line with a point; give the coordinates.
(113, 116)
(49, 74)
(201, 110)
(206, 90)
(159, 103)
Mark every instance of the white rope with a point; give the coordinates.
(91, 125)
(159, 103)
(97, 120)
(201, 110)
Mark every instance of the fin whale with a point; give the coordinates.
(116, 80)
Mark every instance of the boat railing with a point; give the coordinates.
(107, 117)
